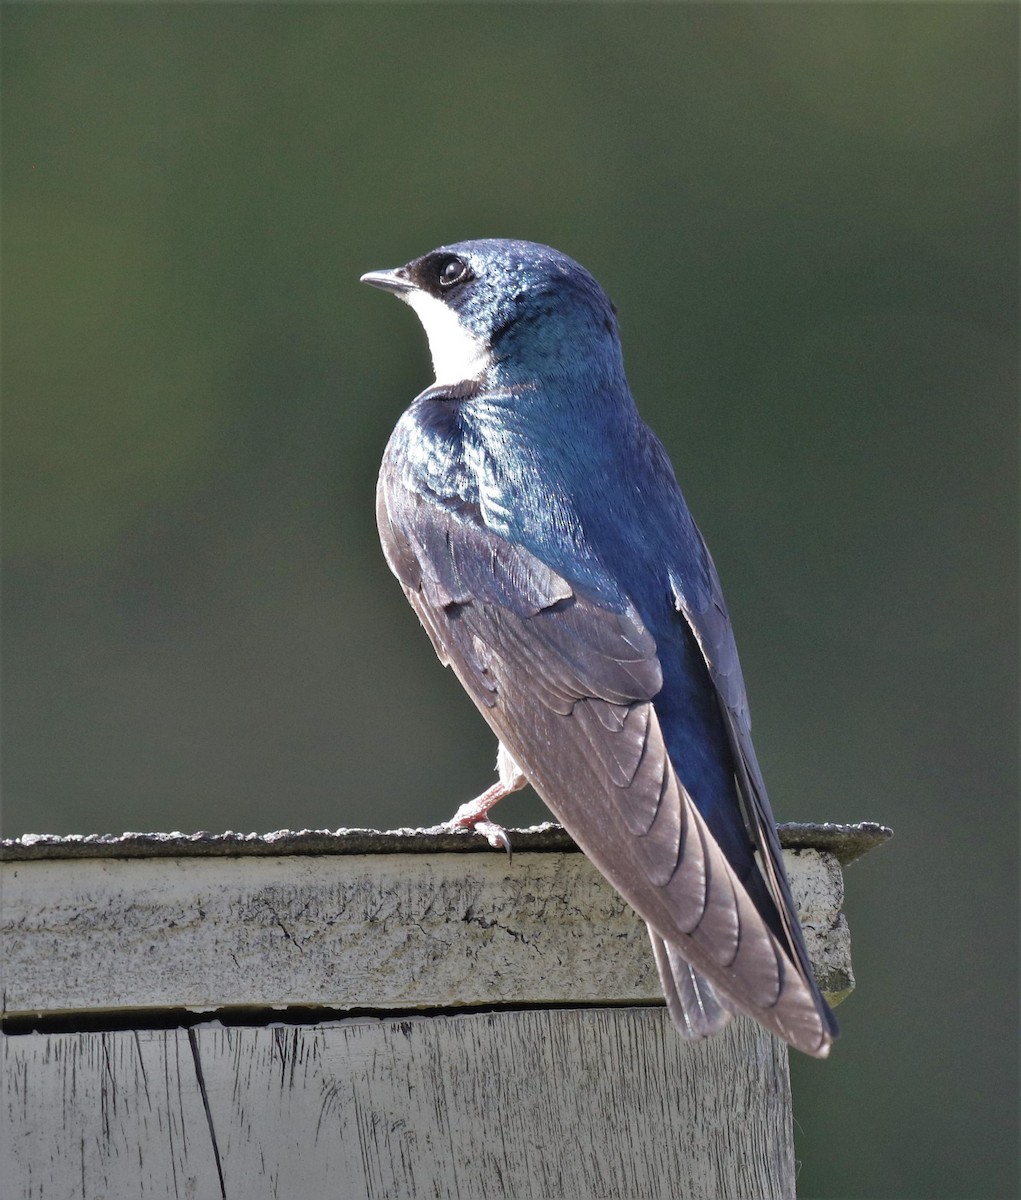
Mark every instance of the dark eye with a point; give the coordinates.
(451, 270)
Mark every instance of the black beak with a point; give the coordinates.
(390, 281)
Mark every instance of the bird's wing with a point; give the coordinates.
(699, 599)
(567, 684)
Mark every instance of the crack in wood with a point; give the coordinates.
(197, 1060)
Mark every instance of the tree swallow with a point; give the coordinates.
(536, 526)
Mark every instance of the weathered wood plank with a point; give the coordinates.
(845, 841)
(381, 931)
(575, 1103)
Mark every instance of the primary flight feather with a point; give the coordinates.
(536, 526)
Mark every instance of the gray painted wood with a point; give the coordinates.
(599, 1100)
(566, 1103)
(380, 931)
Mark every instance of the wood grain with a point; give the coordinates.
(600, 1101)
(568, 1103)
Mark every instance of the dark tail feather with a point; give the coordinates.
(695, 1007)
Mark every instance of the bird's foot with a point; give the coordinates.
(495, 835)
(475, 815)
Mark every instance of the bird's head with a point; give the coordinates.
(506, 310)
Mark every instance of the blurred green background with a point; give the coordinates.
(806, 215)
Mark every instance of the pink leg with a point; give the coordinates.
(475, 814)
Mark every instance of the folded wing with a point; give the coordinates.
(568, 686)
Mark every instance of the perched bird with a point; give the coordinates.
(538, 530)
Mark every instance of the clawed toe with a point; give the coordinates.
(463, 820)
(475, 814)
(495, 835)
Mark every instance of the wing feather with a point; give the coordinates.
(568, 685)
(705, 612)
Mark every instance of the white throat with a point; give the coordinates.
(457, 354)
